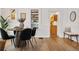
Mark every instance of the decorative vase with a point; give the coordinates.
(21, 23)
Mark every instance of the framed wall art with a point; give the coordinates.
(34, 18)
(13, 14)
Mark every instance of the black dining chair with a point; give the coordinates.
(5, 36)
(26, 36)
(33, 34)
(14, 32)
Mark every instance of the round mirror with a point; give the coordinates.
(73, 16)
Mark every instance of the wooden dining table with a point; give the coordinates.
(17, 42)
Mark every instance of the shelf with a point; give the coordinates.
(34, 18)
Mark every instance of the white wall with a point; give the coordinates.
(0, 11)
(44, 23)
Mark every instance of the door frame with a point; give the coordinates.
(52, 14)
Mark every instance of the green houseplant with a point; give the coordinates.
(3, 22)
(3, 25)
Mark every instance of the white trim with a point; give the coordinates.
(43, 36)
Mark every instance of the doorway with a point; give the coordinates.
(53, 25)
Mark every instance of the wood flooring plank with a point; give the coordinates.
(47, 44)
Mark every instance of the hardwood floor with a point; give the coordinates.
(47, 44)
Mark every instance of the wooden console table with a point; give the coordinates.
(71, 34)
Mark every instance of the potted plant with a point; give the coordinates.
(3, 25)
(3, 22)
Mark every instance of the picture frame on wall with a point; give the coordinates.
(13, 14)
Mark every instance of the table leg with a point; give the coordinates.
(70, 37)
(17, 39)
(64, 35)
(77, 39)
(19, 43)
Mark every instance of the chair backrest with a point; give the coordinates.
(15, 28)
(14, 32)
(33, 31)
(26, 34)
(3, 34)
(67, 29)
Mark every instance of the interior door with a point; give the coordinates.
(53, 26)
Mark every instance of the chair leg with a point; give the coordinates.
(31, 43)
(27, 43)
(35, 40)
(14, 43)
(32, 39)
(5, 45)
(11, 41)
